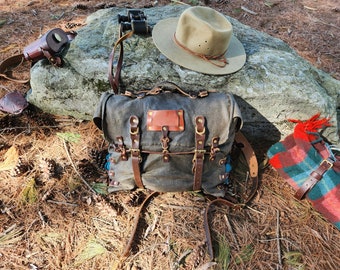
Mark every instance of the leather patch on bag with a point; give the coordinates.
(173, 119)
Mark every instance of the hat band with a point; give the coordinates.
(209, 58)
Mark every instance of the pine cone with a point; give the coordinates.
(21, 168)
(135, 198)
(99, 157)
(47, 169)
(106, 209)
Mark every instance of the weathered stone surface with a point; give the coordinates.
(275, 83)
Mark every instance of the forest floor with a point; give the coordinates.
(50, 219)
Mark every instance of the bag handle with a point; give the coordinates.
(164, 86)
(167, 86)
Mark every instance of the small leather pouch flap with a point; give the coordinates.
(173, 119)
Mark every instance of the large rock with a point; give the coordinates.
(275, 83)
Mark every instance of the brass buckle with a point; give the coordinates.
(330, 163)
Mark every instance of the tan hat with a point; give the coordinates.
(201, 39)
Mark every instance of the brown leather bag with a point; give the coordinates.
(168, 139)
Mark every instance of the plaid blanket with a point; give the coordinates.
(300, 155)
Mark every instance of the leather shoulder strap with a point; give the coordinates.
(8, 64)
(250, 156)
(114, 79)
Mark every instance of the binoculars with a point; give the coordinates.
(135, 20)
(51, 46)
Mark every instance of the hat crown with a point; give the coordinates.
(204, 31)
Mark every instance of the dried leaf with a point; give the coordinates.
(2, 22)
(91, 250)
(11, 236)
(206, 266)
(69, 136)
(29, 194)
(11, 159)
(294, 259)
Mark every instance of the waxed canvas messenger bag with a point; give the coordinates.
(166, 139)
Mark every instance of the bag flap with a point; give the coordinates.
(221, 112)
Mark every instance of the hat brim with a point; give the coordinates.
(162, 35)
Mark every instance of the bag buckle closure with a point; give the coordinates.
(327, 162)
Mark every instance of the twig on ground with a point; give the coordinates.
(180, 2)
(328, 24)
(278, 238)
(42, 218)
(179, 207)
(75, 169)
(256, 211)
(231, 231)
(65, 203)
(248, 10)
(310, 8)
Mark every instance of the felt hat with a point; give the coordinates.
(201, 39)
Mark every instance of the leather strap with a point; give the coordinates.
(135, 151)
(16, 60)
(251, 159)
(114, 81)
(8, 64)
(206, 222)
(199, 152)
(54, 60)
(136, 222)
(314, 178)
(250, 156)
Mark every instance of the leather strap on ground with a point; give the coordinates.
(8, 64)
(253, 171)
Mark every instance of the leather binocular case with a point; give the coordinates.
(51, 45)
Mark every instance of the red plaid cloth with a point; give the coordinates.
(310, 166)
